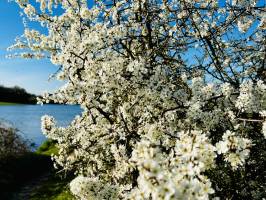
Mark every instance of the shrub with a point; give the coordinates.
(11, 143)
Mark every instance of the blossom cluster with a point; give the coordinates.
(177, 175)
(235, 149)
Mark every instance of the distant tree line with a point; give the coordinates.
(16, 95)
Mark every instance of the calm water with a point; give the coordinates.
(27, 118)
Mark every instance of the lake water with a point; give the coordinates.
(27, 118)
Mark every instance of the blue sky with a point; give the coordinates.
(29, 74)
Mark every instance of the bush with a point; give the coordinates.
(11, 143)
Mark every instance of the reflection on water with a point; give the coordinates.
(27, 118)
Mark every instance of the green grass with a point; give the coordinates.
(55, 187)
(47, 148)
(7, 103)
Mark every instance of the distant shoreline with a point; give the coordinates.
(3, 103)
(16, 95)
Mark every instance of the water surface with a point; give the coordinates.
(27, 118)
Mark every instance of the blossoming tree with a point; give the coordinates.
(173, 95)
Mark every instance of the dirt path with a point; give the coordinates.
(26, 191)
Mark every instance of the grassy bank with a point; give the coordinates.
(7, 103)
(31, 176)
